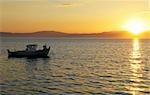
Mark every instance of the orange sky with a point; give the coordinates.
(71, 16)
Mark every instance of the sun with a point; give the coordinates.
(135, 26)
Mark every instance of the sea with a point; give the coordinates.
(77, 66)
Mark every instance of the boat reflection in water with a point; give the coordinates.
(136, 69)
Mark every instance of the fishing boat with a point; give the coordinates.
(30, 52)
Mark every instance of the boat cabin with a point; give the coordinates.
(31, 47)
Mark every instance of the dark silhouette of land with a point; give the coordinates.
(111, 34)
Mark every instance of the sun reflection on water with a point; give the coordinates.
(136, 68)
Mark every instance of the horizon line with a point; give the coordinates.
(67, 32)
(112, 31)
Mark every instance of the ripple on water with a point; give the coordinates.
(145, 92)
(89, 67)
(120, 93)
(72, 93)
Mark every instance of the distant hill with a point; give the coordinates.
(111, 34)
(34, 34)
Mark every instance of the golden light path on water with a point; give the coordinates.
(136, 68)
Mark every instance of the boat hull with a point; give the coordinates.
(29, 54)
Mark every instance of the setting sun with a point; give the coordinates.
(136, 26)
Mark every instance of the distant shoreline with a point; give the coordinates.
(102, 35)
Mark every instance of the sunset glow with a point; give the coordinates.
(136, 26)
(71, 16)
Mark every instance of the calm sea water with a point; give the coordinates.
(77, 66)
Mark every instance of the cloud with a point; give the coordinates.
(65, 3)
